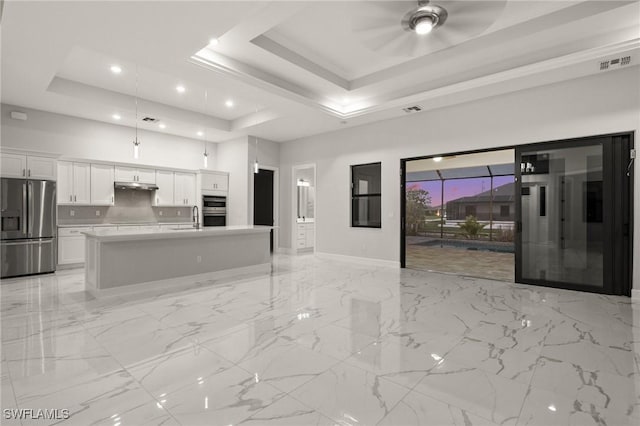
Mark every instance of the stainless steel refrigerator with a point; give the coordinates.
(28, 240)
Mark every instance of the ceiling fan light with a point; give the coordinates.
(424, 25)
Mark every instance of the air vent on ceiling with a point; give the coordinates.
(150, 120)
(414, 108)
(605, 65)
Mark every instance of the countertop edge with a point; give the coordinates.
(174, 234)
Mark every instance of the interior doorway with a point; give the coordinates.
(263, 200)
(303, 208)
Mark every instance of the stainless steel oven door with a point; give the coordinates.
(210, 201)
(215, 220)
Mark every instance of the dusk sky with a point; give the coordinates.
(457, 188)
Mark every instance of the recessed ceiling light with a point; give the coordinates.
(116, 69)
(229, 103)
(116, 116)
(437, 159)
(200, 133)
(162, 126)
(180, 89)
(214, 42)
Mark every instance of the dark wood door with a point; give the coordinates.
(263, 200)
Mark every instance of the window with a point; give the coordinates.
(366, 196)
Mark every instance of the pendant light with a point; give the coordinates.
(256, 167)
(205, 156)
(136, 142)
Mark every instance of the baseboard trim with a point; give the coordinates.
(361, 260)
(635, 295)
(181, 283)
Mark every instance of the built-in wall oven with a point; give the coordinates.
(214, 210)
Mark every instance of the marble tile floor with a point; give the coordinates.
(320, 342)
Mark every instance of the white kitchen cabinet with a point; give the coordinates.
(14, 166)
(125, 174)
(135, 174)
(28, 166)
(164, 195)
(147, 175)
(102, 179)
(184, 189)
(215, 182)
(41, 167)
(305, 235)
(74, 183)
(71, 243)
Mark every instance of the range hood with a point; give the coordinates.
(136, 185)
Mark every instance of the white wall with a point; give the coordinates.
(94, 140)
(603, 103)
(232, 157)
(237, 157)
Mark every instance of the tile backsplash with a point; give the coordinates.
(131, 206)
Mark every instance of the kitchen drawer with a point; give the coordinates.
(302, 234)
(72, 232)
(302, 243)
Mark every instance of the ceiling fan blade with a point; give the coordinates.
(378, 25)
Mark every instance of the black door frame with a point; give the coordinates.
(618, 197)
(625, 273)
(272, 236)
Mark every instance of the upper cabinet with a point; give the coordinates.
(102, 190)
(74, 183)
(135, 174)
(184, 189)
(28, 166)
(215, 182)
(165, 193)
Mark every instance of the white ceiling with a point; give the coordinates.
(294, 69)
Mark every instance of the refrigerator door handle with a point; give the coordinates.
(30, 208)
(23, 225)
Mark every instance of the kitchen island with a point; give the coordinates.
(118, 259)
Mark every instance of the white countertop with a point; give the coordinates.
(165, 234)
(306, 220)
(83, 225)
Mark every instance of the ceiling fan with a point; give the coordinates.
(410, 28)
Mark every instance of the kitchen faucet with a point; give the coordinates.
(196, 217)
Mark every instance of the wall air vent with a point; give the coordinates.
(605, 65)
(150, 120)
(414, 108)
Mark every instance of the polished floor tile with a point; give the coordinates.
(320, 342)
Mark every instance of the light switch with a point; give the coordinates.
(160, 212)
(72, 213)
(97, 212)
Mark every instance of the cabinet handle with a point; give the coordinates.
(157, 200)
(70, 197)
(75, 198)
(24, 172)
(112, 199)
(29, 173)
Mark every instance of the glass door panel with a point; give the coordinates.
(562, 236)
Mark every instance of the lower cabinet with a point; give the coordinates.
(71, 245)
(305, 235)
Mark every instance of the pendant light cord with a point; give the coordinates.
(136, 141)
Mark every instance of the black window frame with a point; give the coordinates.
(355, 196)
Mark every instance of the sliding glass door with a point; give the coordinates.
(573, 214)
